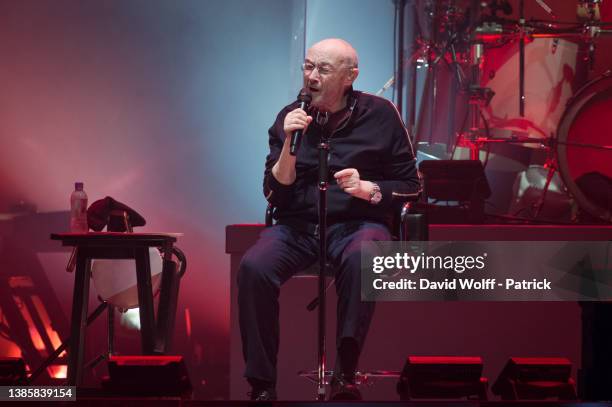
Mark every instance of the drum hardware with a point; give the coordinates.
(552, 145)
(512, 140)
(544, 143)
(522, 32)
(587, 145)
(546, 8)
(539, 195)
(533, 185)
(556, 169)
(583, 150)
(479, 97)
(551, 165)
(587, 32)
(488, 33)
(432, 65)
(445, 28)
(491, 28)
(497, 6)
(589, 9)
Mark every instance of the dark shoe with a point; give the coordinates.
(267, 394)
(261, 390)
(344, 389)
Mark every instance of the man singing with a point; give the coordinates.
(371, 164)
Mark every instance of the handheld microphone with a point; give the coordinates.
(296, 138)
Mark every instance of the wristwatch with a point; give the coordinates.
(375, 195)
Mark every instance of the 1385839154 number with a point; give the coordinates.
(8, 393)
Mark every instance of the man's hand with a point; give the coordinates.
(350, 182)
(284, 169)
(295, 120)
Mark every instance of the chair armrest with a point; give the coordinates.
(413, 226)
(182, 260)
(269, 213)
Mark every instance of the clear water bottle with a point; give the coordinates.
(78, 209)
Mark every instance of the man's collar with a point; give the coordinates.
(351, 100)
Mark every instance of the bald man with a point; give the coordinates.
(371, 163)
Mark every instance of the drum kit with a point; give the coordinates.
(530, 99)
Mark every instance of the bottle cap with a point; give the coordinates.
(78, 186)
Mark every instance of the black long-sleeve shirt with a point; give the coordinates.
(373, 140)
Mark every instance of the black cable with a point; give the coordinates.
(399, 79)
(5, 332)
(488, 136)
(4, 328)
(461, 132)
(491, 204)
(394, 93)
(521, 209)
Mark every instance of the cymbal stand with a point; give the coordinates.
(551, 165)
(434, 50)
(591, 30)
(479, 97)
(592, 7)
(522, 58)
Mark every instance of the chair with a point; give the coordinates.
(407, 225)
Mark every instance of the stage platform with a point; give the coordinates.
(172, 402)
(493, 330)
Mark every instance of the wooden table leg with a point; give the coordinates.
(145, 300)
(80, 299)
(167, 302)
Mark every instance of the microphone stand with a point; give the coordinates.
(323, 148)
(522, 58)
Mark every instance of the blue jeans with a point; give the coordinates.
(281, 252)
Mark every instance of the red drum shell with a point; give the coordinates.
(584, 140)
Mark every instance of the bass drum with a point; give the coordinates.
(584, 147)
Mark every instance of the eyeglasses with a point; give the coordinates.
(308, 68)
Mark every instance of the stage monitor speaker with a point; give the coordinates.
(460, 184)
(595, 373)
(148, 376)
(12, 372)
(455, 180)
(442, 377)
(536, 379)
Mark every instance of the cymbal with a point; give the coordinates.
(512, 135)
(494, 31)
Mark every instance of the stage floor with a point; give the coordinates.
(154, 402)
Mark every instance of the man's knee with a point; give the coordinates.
(350, 262)
(253, 270)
